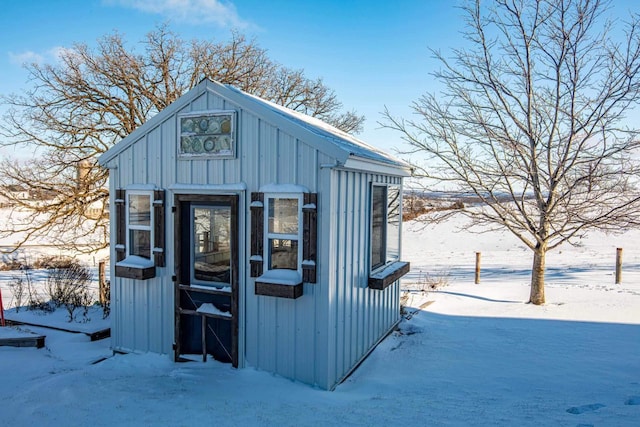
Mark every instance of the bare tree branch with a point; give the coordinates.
(80, 106)
(533, 111)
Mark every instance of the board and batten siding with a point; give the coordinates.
(358, 316)
(284, 335)
(274, 334)
(142, 310)
(315, 339)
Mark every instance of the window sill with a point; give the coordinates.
(135, 267)
(280, 283)
(383, 278)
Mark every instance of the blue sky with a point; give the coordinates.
(372, 53)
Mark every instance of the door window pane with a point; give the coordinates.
(284, 254)
(212, 244)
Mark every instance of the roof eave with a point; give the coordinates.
(401, 169)
(154, 121)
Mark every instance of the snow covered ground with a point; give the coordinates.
(476, 355)
(31, 253)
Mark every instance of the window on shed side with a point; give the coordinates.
(385, 224)
(283, 233)
(140, 236)
(394, 221)
(283, 237)
(384, 240)
(378, 222)
(139, 224)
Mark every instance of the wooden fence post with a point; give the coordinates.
(477, 280)
(101, 283)
(618, 266)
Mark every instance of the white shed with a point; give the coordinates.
(253, 234)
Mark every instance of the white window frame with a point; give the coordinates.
(149, 228)
(268, 235)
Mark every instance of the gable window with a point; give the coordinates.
(139, 232)
(209, 134)
(283, 242)
(386, 215)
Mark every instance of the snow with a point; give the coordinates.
(221, 287)
(387, 270)
(9, 332)
(90, 322)
(281, 277)
(209, 308)
(344, 140)
(473, 355)
(135, 261)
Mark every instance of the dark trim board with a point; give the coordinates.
(36, 341)
(183, 288)
(93, 336)
(136, 273)
(388, 275)
(277, 290)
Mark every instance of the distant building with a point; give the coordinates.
(10, 193)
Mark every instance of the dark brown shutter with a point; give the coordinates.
(158, 228)
(121, 226)
(257, 233)
(309, 237)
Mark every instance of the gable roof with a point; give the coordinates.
(348, 150)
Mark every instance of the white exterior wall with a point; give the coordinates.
(275, 334)
(142, 310)
(285, 335)
(316, 338)
(358, 315)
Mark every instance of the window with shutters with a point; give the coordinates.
(139, 233)
(139, 225)
(283, 232)
(283, 242)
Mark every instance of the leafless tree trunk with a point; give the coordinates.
(531, 119)
(91, 98)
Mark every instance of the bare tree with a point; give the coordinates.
(93, 97)
(531, 121)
